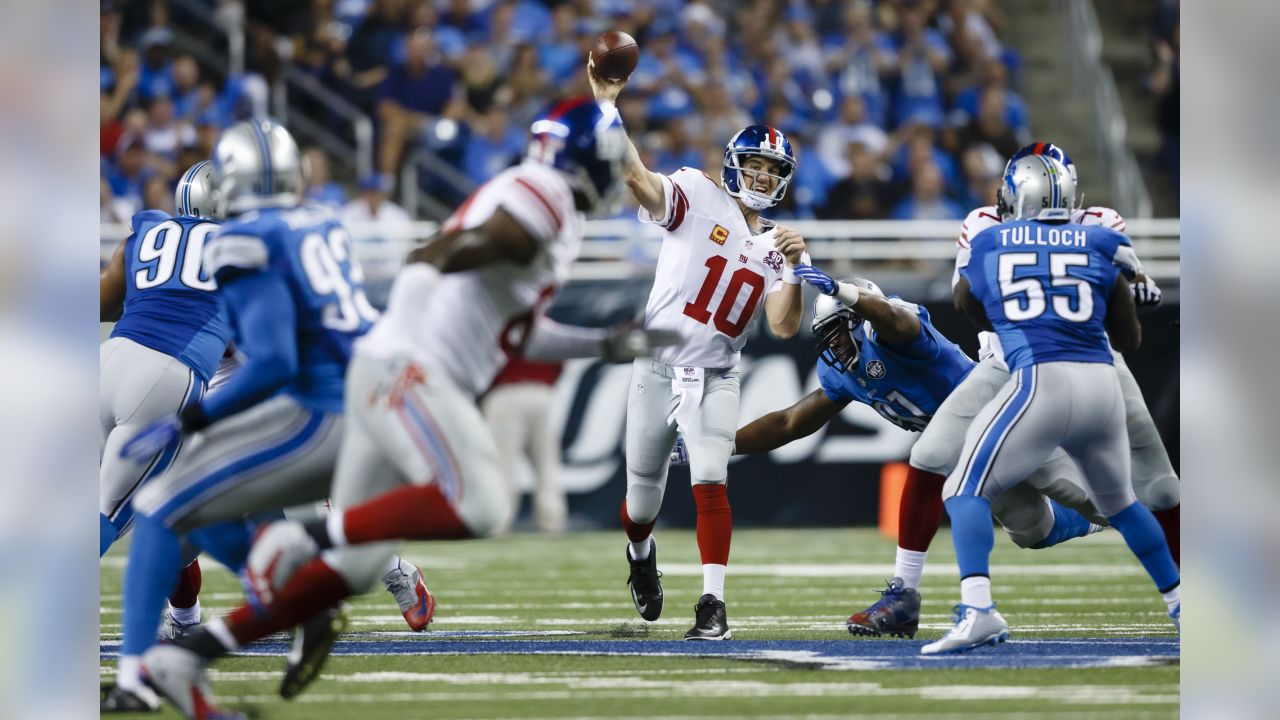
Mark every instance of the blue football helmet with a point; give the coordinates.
(1049, 149)
(585, 141)
(758, 141)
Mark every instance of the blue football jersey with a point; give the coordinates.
(311, 251)
(169, 302)
(905, 382)
(1045, 289)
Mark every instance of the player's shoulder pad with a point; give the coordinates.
(1104, 216)
(148, 216)
(975, 222)
(240, 245)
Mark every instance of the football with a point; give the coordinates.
(615, 55)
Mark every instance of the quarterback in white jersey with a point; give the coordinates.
(719, 266)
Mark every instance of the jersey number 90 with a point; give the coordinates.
(1024, 298)
(165, 250)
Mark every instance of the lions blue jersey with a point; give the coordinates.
(905, 382)
(311, 251)
(1045, 289)
(169, 301)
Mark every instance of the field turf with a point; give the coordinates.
(539, 627)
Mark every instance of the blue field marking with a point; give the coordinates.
(817, 654)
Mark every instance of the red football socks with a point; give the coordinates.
(636, 532)
(188, 590)
(1171, 522)
(715, 522)
(412, 512)
(920, 510)
(313, 588)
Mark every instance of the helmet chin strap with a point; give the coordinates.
(754, 200)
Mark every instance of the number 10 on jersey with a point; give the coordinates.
(700, 309)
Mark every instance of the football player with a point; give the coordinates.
(267, 438)
(936, 453)
(418, 460)
(1052, 291)
(886, 353)
(720, 264)
(163, 352)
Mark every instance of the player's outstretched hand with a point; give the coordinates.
(815, 277)
(629, 340)
(153, 439)
(680, 453)
(602, 88)
(790, 243)
(1146, 294)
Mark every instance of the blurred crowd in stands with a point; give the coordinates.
(896, 108)
(1164, 81)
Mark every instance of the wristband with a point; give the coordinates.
(789, 275)
(193, 418)
(847, 293)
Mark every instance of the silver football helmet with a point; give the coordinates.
(194, 196)
(838, 328)
(1036, 187)
(256, 164)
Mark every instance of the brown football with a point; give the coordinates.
(615, 55)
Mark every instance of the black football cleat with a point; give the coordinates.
(115, 699)
(896, 613)
(646, 583)
(711, 623)
(311, 644)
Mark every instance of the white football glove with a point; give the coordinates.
(629, 340)
(1146, 294)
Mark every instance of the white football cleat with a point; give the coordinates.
(279, 550)
(416, 602)
(974, 628)
(179, 675)
(171, 629)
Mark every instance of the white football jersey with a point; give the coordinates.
(984, 217)
(713, 273)
(464, 324)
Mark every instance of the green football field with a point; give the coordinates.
(537, 626)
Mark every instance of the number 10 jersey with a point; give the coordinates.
(713, 273)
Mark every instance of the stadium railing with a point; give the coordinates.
(620, 249)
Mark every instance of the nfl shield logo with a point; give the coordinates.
(875, 369)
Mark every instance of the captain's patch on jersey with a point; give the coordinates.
(719, 234)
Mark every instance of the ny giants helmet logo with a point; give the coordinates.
(774, 260)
